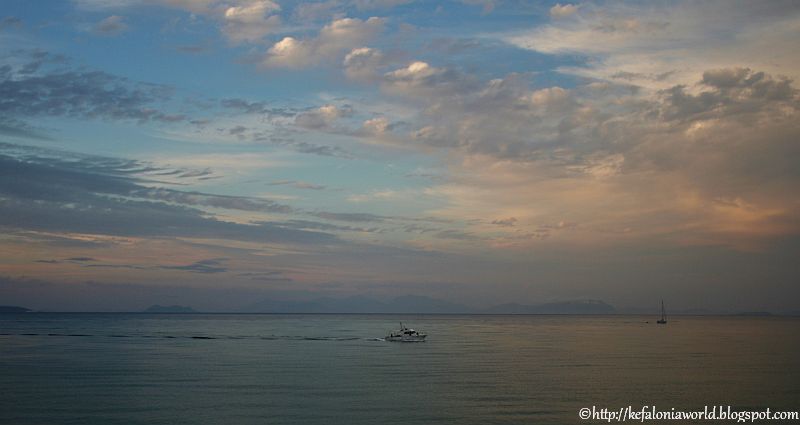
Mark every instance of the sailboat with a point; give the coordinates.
(663, 320)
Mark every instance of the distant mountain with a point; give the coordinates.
(420, 304)
(416, 304)
(566, 307)
(168, 309)
(13, 309)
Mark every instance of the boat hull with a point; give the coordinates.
(420, 338)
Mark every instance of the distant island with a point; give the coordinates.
(168, 309)
(13, 309)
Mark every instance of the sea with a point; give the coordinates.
(336, 369)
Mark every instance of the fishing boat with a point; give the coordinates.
(405, 335)
(663, 320)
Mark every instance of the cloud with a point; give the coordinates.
(209, 266)
(669, 40)
(323, 117)
(251, 22)
(505, 222)
(350, 217)
(316, 11)
(112, 26)
(80, 259)
(17, 128)
(28, 92)
(363, 64)
(216, 201)
(418, 76)
(536, 154)
(334, 38)
(106, 197)
(559, 11)
(240, 21)
(10, 22)
(298, 184)
(254, 107)
(326, 227)
(61, 193)
(729, 92)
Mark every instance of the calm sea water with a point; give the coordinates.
(333, 369)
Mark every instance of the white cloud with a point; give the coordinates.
(559, 11)
(338, 36)
(290, 53)
(240, 20)
(322, 118)
(658, 46)
(251, 22)
(421, 79)
(377, 126)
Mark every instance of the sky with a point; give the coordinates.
(216, 153)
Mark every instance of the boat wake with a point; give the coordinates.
(199, 337)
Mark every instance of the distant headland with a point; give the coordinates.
(13, 309)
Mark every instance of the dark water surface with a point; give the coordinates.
(332, 369)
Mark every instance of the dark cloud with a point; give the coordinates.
(80, 259)
(75, 260)
(10, 22)
(506, 222)
(279, 136)
(209, 266)
(42, 190)
(30, 91)
(729, 92)
(107, 197)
